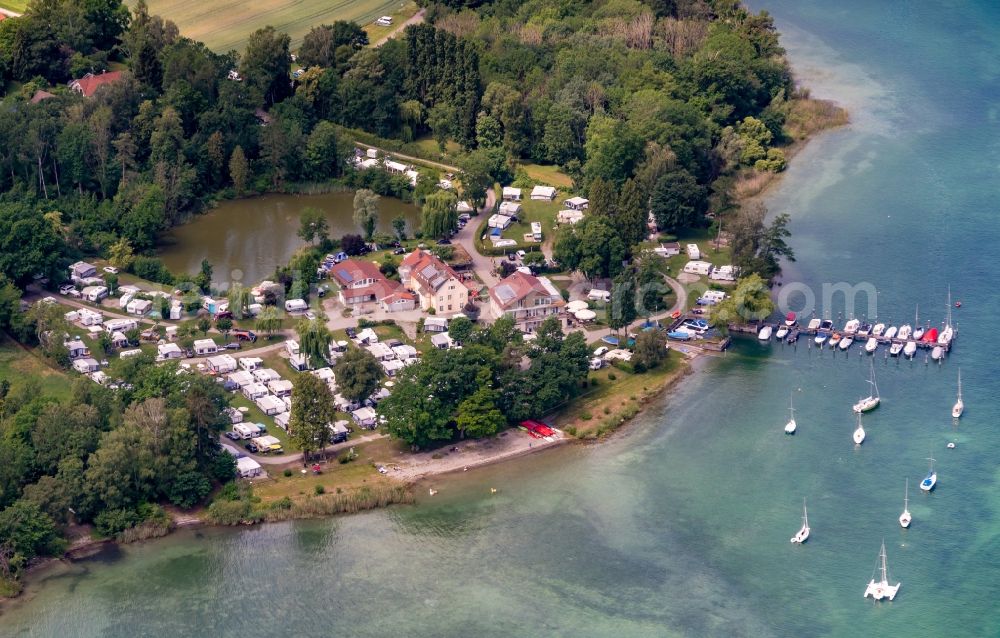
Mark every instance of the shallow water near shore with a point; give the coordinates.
(679, 525)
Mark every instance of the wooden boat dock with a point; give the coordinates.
(799, 331)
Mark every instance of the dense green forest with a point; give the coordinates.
(648, 105)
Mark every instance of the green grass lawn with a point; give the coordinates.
(225, 25)
(19, 365)
(548, 175)
(531, 211)
(17, 6)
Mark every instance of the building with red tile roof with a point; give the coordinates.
(88, 84)
(436, 283)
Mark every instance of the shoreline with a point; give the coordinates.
(428, 467)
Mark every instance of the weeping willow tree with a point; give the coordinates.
(750, 301)
(314, 338)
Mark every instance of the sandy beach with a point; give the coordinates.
(467, 455)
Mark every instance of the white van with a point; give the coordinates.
(599, 295)
(296, 305)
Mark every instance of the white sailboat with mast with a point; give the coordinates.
(790, 426)
(905, 518)
(948, 332)
(918, 330)
(931, 479)
(872, 400)
(859, 433)
(959, 407)
(803, 534)
(881, 589)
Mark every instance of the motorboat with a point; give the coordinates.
(821, 338)
(881, 589)
(790, 319)
(835, 339)
(846, 342)
(905, 332)
(905, 517)
(937, 353)
(793, 336)
(910, 349)
(890, 332)
(852, 326)
(864, 330)
(871, 345)
(781, 332)
(896, 348)
(878, 330)
(814, 323)
(790, 426)
(959, 407)
(802, 535)
(859, 432)
(765, 333)
(931, 479)
(872, 401)
(826, 324)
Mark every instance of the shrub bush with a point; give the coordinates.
(287, 472)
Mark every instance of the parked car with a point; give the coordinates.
(399, 251)
(225, 314)
(245, 335)
(232, 436)
(511, 257)
(111, 270)
(322, 290)
(64, 290)
(235, 345)
(600, 352)
(521, 254)
(443, 242)
(251, 448)
(310, 315)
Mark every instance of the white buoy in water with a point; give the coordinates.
(951, 446)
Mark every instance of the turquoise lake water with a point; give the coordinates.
(680, 526)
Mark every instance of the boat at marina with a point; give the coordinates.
(948, 332)
(765, 333)
(826, 324)
(890, 332)
(930, 336)
(881, 589)
(821, 338)
(905, 332)
(781, 332)
(790, 426)
(852, 326)
(679, 335)
(871, 345)
(802, 535)
(959, 407)
(878, 330)
(846, 342)
(793, 336)
(910, 349)
(896, 348)
(918, 330)
(864, 330)
(814, 323)
(905, 517)
(859, 432)
(873, 399)
(835, 339)
(790, 319)
(931, 479)
(937, 352)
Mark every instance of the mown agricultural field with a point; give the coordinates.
(224, 25)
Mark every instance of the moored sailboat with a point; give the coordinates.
(959, 407)
(931, 479)
(859, 432)
(802, 535)
(791, 425)
(905, 518)
(873, 399)
(881, 588)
